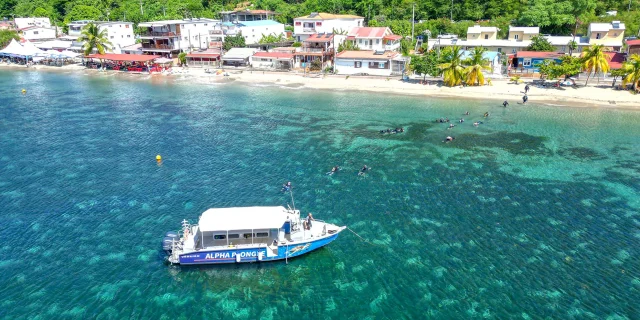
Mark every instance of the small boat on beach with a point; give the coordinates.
(247, 234)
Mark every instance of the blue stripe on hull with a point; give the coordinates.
(251, 254)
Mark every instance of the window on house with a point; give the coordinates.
(186, 38)
(377, 41)
(357, 64)
(513, 50)
(526, 62)
(264, 59)
(126, 26)
(205, 24)
(486, 36)
(360, 41)
(515, 37)
(111, 37)
(298, 23)
(122, 36)
(319, 24)
(381, 65)
(597, 36)
(499, 49)
(128, 36)
(36, 32)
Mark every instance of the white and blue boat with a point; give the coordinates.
(247, 234)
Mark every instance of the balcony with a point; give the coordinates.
(159, 34)
(307, 29)
(157, 46)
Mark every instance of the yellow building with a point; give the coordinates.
(607, 34)
(522, 33)
(482, 33)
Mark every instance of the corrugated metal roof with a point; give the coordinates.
(369, 32)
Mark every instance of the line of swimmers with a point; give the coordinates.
(388, 131)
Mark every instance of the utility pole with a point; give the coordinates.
(413, 20)
(451, 10)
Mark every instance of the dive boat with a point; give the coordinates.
(247, 234)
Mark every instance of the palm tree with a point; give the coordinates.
(451, 66)
(632, 69)
(94, 39)
(595, 61)
(476, 63)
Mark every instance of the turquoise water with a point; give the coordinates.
(533, 214)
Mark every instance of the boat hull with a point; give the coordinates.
(248, 255)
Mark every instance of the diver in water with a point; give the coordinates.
(505, 104)
(335, 169)
(448, 139)
(286, 186)
(364, 169)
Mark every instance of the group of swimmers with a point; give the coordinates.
(389, 131)
(475, 124)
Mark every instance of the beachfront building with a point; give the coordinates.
(238, 57)
(609, 35)
(318, 47)
(374, 38)
(135, 48)
(561, 43)
(22, 23)
(38, 33)
(305, 26)
(368, 62)
(633, 47)
(253, 31)
(522, 33)
(246, 15)
(119, 33)
(170, 37)
(529, 61)
(205, 58)
(273, 60)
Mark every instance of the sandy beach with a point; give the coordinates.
(501, 89)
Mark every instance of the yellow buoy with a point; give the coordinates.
(24, 90)
(158, 158)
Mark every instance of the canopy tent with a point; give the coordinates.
(244, 218)
(31, 50)
(124, 57)
(14, 48)
(69, 54)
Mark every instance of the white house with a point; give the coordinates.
(374, 38)
(22, 23)
(119, 33)
(273, 60)
(322, 22)
(252, 31)
(238, 56)
(37, 33)
(170, 37)
(369, 62)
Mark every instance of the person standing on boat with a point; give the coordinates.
(309, 219)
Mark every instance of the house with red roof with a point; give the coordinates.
(369, 62)
(529, 61)
(633, 47)
(374, 38)
(273, 60)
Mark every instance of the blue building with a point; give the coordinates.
(530, 60)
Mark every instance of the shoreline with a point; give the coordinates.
(500, 90)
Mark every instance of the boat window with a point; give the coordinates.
(219, 237)
(262, 234)
(234, 236)
(247, 235)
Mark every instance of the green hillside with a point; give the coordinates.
(553, 16)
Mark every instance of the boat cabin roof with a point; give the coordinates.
(243, 218)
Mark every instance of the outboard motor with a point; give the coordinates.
(168, 240)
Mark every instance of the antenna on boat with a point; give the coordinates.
(292, 202)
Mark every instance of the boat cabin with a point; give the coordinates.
(245, 227)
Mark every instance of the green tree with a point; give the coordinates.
(236, 41)
(93, 38)
(594, 60)
(405, 47)
(632, 68)
(272, 38)
(182, 57)
(540, 43)
(451, 66)
(425, 64)
(6, 36)
(348, 45)
(476, 63)
(572, 46)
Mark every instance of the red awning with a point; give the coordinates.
(124, 57)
